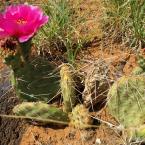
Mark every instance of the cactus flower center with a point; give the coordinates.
(21, 21)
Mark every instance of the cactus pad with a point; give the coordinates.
(139, 133)
(80, 118)
(138, 71)
(67, 87)
(36, 81)
(40, 110)
(127, 100)
(141, 61)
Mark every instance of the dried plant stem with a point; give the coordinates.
(35, 118)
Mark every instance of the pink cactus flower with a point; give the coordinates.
(21, 21)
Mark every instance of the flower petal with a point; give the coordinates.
(44, 20)
(12, 12)
(3, 33)
(25, 38)
(24, 11)
(10, 27)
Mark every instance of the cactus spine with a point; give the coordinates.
(67, 87)
(79, 117)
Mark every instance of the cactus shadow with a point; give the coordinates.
(48, 125)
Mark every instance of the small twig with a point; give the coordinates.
(34, 118)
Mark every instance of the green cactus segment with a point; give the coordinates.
(25, 50)
(80, 118)
(16, 54)
(67, 84)
(138, 71)
(40, 110)
(13, 61)
(139, 133)
(141, 61)
(127, 100)
(36, 81)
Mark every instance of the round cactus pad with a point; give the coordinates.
(36, 81)
(127, 100)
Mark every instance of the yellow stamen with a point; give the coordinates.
(21, 21)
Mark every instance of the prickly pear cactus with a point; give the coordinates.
(36, 81)
(10, 54)
(79, 117)
(127, 101)
(139, 133)
(141, 61)
(140, 69)
(41, 111)
(67, 84)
